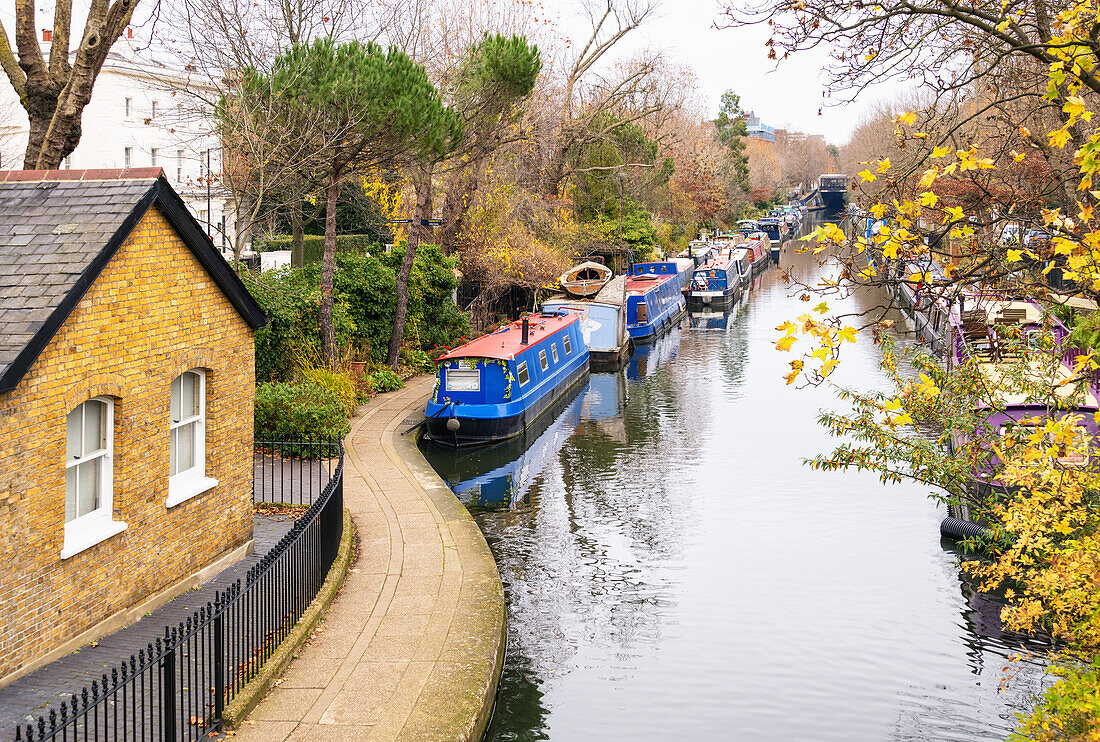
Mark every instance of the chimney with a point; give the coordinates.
(526, 331)
(47, 35)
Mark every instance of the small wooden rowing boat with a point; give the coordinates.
(585, 279)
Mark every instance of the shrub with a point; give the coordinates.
(420, 362)
(383, 379)
(339, 383)
(291, 299)
(301, 410)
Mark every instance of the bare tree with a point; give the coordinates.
(54, 92)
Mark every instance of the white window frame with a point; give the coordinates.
(153, 111)
(179, 167)
(184, 485)
(153, 152)
(565, 343)
(127, 156)
(542, 360)
(85, 531)
(522, 375)
(128, 106)
(554, 351)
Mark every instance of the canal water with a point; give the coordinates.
(673, 569)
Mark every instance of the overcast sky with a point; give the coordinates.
(736, 59)
(728, 59)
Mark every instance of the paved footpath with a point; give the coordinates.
(412, 646)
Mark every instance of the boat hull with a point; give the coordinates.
(645, 334)
(609, 360)
(714, 299)
(476, 431)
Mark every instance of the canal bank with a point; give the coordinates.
(413, 645)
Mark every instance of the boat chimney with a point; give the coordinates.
(526, 331)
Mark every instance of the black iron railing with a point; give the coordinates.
(175, 689)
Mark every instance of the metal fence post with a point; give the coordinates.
(168, 690)
(219, 667)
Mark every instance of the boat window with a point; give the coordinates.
(643, 313)
(521, 373)
(463, 381)
(542, 360)
(565, 342)
(554, 351)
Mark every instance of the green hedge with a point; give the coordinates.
(296, 411)
(313, 246)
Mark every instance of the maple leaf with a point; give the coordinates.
(785, 343)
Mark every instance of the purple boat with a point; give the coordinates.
(977, 330)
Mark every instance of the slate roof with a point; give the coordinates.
(59, 228)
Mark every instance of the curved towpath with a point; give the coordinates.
(411, 649)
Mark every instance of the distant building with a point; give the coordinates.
(126, 391)
(138, 118)
(758, 129)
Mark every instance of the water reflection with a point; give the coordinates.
(672, 569)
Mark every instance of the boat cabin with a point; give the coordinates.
(495, 386)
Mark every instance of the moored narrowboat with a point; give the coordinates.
(603, 323)
(716, 284)
(682, 268)
(758, 244)
(653, 305)
(496, 386)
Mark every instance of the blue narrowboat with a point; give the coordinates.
(653, 305)
(682, 268)
(717, 283)
(495, 387)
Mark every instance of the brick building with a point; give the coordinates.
(126, 393)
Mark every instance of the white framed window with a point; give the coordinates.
(68, 162)
(153, 156)
(127, 156)
(542, 360)
(153, 112)
(179, 166)
(521, 373)
(187, 438)
(128, 105)
(566, 344)
(554, 351)
(89, 476)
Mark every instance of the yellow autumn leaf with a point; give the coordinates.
(822, 308)
(866, 176)
(938, 152)
(928, 178)
(908, 118)
(883, 165)
(928, 199)
(785, 343)
(879, 210)
(1058, 138)
(1018, 156)
(846, 334)
(1015, 256)
(787, 327)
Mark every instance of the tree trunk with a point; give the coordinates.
(328, 270)
(297, 237)
(455, 208)
(418, 230)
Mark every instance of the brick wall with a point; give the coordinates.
(153, 313)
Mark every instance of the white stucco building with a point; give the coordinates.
(139, 116)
